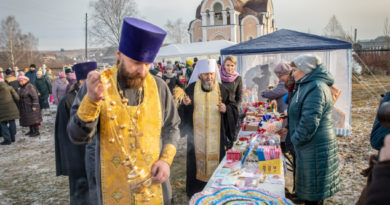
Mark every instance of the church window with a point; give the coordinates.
(218, 14)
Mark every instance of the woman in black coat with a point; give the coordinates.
(233, 82)
(30, 111)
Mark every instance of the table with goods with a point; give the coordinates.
(252, 171)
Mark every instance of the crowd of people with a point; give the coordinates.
(120, 127)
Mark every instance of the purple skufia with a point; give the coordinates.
(82, 69)
(140, 40)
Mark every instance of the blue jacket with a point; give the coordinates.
(32, 75)
(312, 134)
(378, 132)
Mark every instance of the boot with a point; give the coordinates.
(5, 143)
(29, 132)
(35, 131)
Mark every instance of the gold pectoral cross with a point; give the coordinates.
(136, 134)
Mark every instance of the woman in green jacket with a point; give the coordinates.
(312, 133)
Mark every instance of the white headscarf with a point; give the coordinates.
(205, 66)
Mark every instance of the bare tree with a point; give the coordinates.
(31, 45)
(386, 27)
(10, 41)
(335, 30)
(18, 50)
(107, 19)
(177, 31)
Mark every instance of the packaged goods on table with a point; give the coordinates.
(255, 160)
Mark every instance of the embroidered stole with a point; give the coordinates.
(115, 121)
(207, 128)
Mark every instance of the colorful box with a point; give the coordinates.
(271, 166)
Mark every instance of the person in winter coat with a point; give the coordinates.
(171, 79)
(59, 88)
(282, 71)
(233, 82)
(311, 130)
(11, 80)
(44, 90)
(8, 112)
(70, 158)
(49, 75)
(379, 132)
(72, 80)
(379, 189)
(30, 111)
(32, 74)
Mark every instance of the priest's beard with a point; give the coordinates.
(208, 85)
(132, 81)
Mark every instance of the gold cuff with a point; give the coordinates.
(88, 110)
(168, 154)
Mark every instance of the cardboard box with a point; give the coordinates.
(271, 166)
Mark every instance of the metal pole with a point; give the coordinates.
(86, 37)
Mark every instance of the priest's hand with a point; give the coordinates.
(222, 107)
(187, 100)
(94, 86)
(160, 171)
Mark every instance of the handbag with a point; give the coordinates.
(51, 98)
(335, 93)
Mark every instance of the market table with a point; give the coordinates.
(275, 189)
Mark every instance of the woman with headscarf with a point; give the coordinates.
(311, 129)
(233, 82)
(30, 111)
(59, 88)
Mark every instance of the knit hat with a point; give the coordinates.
(189, 63)
(68, 70)
(307, 62)
(169, 67)
(282, 69)
(8, 71)
(22, 76)
(62, 75)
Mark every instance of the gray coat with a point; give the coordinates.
(89, 133)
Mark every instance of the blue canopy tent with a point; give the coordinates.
(257, 57)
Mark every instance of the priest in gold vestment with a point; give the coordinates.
(130, 123)
(206, 115)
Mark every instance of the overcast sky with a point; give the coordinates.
(60, 23)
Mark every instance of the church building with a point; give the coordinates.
(232, 20)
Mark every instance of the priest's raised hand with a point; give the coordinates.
(94, 86)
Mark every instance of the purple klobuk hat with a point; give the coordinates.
(82, 69)
(140, 40)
